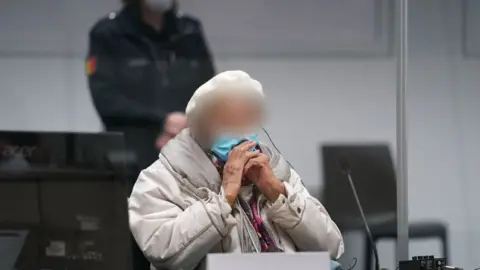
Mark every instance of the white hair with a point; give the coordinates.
(235, 82)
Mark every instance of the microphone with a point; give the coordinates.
(344, 165)
(346, 169)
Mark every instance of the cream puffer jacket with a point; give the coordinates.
(177, 219)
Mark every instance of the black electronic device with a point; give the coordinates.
(63, 202)
(424, 263)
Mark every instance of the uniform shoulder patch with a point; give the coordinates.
(90, 65)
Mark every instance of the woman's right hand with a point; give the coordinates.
(233, 169)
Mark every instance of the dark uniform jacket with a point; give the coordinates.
(137, 75)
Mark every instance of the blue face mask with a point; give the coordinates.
(224, 143)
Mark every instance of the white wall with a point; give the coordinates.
(313, 100)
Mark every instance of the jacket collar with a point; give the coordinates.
(191, 162)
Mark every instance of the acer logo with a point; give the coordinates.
(17, 150)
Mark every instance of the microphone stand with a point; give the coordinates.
(346, 171)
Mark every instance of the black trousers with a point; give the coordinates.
(138, 260)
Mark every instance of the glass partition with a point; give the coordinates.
(443, 129)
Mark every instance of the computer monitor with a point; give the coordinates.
(373, 174)
(63, 202)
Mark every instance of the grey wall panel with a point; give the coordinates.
(471, 29)
(309, 27)
(247, 28)
(49, 28)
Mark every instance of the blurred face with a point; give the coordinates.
(233, 115)
(159, 6)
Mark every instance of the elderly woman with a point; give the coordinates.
(216, 188)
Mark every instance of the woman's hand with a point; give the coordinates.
(258, 171)
(174, 123)
(234, 167)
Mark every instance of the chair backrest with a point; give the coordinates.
(373, 175)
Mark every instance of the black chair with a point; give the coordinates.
(417, 230)
(373, 174)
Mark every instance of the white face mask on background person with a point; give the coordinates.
(159, 5)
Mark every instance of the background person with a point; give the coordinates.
(143, 65)
(202, 197)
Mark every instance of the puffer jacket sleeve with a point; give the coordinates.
(305, 219)
(172, 236)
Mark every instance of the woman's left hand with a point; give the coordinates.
(258, 171)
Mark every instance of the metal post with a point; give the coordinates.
(401, 11)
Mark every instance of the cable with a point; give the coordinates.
(352, 265)
(276, 148)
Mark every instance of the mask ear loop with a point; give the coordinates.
(276, 148)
